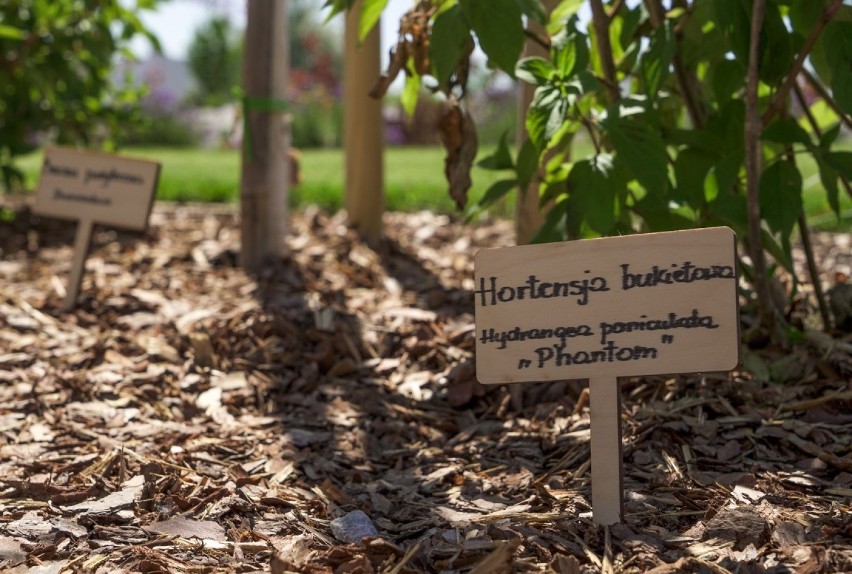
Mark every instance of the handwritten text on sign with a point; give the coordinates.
(98, 187)
(622, 306)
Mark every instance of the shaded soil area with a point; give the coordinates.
(324, 417)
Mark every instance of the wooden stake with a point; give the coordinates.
(265, 167)
(81, 249)
(363, 137)
(607, 468)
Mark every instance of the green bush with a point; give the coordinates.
(55, 63)
(167, 130)
(316, 123)
(214, 58)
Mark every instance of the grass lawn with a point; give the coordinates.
(414, 179)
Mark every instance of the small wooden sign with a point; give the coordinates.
(600, 309)
(94, 188)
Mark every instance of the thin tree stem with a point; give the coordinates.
(588, 125)
(778, 101)
(753, 127)
(800, 97)
(613, 10)
(805, 232)
(656, 13)
(685, 81)
(600, 20)
(531, 35)
(823, 93)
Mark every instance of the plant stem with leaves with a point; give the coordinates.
(753, 125)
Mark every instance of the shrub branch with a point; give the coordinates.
(780, 96)
(765, 303)
(600, 20)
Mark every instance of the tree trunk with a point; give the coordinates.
(265, 168)
(528, 216)
(363, 129)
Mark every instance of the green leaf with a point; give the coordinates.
(501, 158)
(527, 163)
(640, 147)
(780, 253)
(728, 77)
(553, 228)
(780, 192)
(777, 54)
(448, 44)
(593, 185)
(659, 216)
(691, 169)
(11, 33)
(735, 20)
(657, 60)
(497, 190)
(564, 54)
(786, 131)
(371, 10)
(720, 181)
(544, 100)
(804, 15)
(841, 161)
(841, 85)
(838, 39)
(828, 177)
(553, 185)
(534, 10)
(724, 131)
(729, 209)
(562, 13)
(337, 6)
(534, 70)
(556, 119)
(829, 136)
(500, 29)
(410, 92)
(569, 51)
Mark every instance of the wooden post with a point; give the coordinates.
(607, 473)
(363, 136)
(528, 216)
(81, 248)
(265, 169)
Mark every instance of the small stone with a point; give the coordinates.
(353, 527)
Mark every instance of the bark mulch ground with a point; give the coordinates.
(189, 418)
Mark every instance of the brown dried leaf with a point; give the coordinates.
(458, 136)
(398, 57)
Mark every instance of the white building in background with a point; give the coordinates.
(170, 83)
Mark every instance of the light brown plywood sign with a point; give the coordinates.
(600, 309)
(94, 188)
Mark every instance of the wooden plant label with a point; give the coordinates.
(600, 309)
(94, 188)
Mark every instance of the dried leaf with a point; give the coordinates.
(458, 136)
